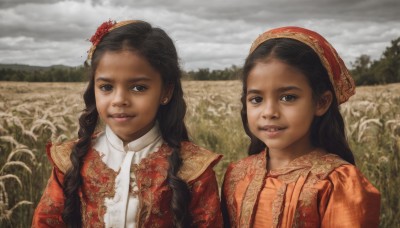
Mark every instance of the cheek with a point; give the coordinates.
(148, 105)
(100, 103)
(252, 114)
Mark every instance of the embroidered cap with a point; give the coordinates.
(338, 73)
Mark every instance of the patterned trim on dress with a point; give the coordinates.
(252, 192)
(236, 172)
(99, 184)
(60, 155)
(311, 167)
(196, 161)
(151, 176)
(150, 173)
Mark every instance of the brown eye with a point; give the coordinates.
(106, 87)
(255, 100)
(288, 98)
(139, 88)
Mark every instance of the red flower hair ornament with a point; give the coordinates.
(101, 31)
(339, 75)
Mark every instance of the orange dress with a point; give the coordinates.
(314, 190)
(154, 193)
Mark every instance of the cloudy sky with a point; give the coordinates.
(208, 33)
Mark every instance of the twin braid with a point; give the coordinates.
(180, 192)
(73, 179)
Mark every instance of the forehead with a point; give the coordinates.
(275, 74)
(124, 64)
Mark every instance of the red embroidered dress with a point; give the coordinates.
(100, 193)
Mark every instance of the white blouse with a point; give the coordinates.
(122, 209)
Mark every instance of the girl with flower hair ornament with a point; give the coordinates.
(142, 170)
(300, 171)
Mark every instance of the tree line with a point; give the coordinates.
(45, 74)
(382, 71)
(364, 71)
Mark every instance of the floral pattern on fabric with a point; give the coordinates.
(153, 190)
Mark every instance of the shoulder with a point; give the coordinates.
(247, 167)
(248, 163)
(341, 173)
(349, 187)
(348, 175)
(195, 161)
(59, 154)
(322, 163)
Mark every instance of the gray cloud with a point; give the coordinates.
(261, 11)
(213, 34)
(13, 3)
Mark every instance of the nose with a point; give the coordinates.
(120, 98)
(270, 110)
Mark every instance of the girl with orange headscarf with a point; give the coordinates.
(301, 171)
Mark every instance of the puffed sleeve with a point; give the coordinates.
(352, 200)
(205, 202)
(48, 211)
(51, 205)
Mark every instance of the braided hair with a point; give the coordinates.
(158, 49)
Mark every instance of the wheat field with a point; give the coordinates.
(32, 114)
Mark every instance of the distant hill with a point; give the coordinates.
(24, 67)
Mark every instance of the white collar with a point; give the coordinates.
(135, 145)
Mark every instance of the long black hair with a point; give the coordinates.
(158, 49)
(327, 131)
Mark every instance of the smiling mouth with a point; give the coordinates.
(121, 116)
(271, 128)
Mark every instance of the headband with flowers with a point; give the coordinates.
(102, 30)
(339, 75)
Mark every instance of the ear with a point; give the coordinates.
(167, 94)
(323, 103)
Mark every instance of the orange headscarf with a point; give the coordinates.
(338, 73)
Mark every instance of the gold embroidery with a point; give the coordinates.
(232, 178)
(278, 205)
(253, 190)
(195, 161)
(51, 207)
(237, 172)
(133, 187)
(314, 167)
(150, 175)
(60, 155)
(99, 184)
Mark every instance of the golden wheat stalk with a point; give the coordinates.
(9, 139)
(11, 176)
(6, 214)
(15, 163)
(21, 150)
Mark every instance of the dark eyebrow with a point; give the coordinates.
(253, 91)
(279, 90)
(288, 88)
(136, 79)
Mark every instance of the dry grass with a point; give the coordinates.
(31, 114)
